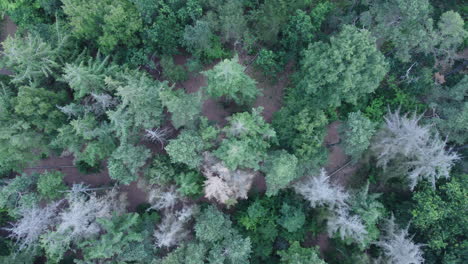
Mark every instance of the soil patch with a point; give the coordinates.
(337, 158)
(72, 175)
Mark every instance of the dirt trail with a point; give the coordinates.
(337, 158)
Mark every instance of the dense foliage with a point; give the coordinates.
(233, 131)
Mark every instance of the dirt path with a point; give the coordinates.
(337, 158)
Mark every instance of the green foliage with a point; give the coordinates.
(292, 218)
(161, 171)
(14, 191)
(212, 225)
(248, 139)
(89, 141)
(403, 23)
(268, 62)
(342, 71)
(201, 42)
(208, 132)
(20, 142)
(280, 169)
(452, 110)
(269, 219)
(356, 134)
(171, 71)
(126, 161)
(29, 13)
(185, 108)
(109, 23)
(302, 132)
(190, 253)
(296, 254)
(88, 75)
(38, 107)
(270, 17)
(299, 32)
(439, 219)
(122, 240)
(190, 183)
(166, 22)
(31, 58)
(186, 149)
(370, 211)
(50, 184)
(228, 79)
(140, 107)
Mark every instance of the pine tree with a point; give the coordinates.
(228, 79)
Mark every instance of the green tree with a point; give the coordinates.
(247, 142)
(440, 222)
(190, 183)
(367, 206)
(31, 58)
(123, 239)
(280, 169)
(356, 134)
(403, 23)
(38, 106)
(140, 105)
(448, 39)
(342, 71)
(87, 75)
(166, 22)
(452, 110)
(212, 225)
(126, 161)
(20, 142)
(302, 132)
(296, 254)
(161, 171)
(270, 17)
(50, 184)
(109, 23)
(89, 140)
(186, 149)
(267, 62)
(198, 38)
(185, 108)
(228, 79)
(292, 218)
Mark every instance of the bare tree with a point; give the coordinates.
(33, 223)
(397, 247)
(173, 228)
(412, 150)
(163, 198)
(157, 135)
(224, 185)
(79, 219)
(346, 225)
(319, 191)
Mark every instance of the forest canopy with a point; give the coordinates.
(233, 131)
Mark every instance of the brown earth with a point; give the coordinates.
(337, 159)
